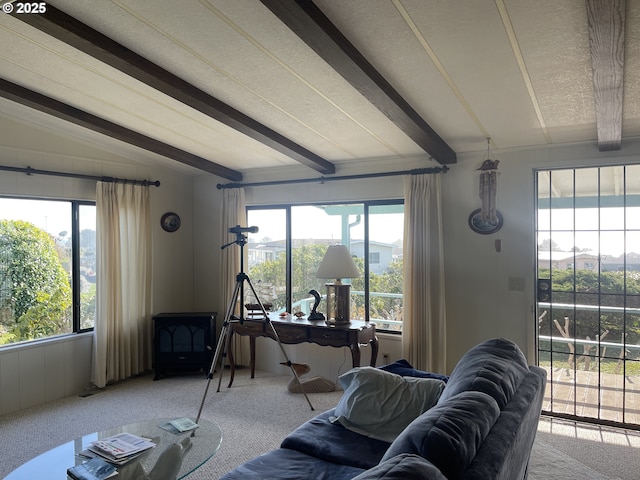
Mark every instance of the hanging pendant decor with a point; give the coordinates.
(487, 219)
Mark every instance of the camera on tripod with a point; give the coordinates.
(240, 230)
(241, 238)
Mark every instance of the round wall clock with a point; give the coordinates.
(170, 222)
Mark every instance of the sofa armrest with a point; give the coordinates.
(506, 451)
(495, 367)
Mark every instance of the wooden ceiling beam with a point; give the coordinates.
(606, 41)
(75, 33)
(307, 21)
(61, 110)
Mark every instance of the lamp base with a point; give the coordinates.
(338, 303)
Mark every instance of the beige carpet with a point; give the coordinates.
(547, 463)
(568, 450)
(255, 415)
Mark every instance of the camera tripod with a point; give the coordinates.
(224, 341)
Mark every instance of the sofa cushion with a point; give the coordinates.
(495, 367)
(285, 464)
(403, 368)
(403, 467)
(380, 404)
(322, 439)
(449, 434)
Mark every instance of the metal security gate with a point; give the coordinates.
(588, 292)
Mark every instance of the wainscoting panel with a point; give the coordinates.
(38, 372)
(9, 382)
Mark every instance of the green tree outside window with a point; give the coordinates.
(35, 290)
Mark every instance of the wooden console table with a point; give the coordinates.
(292, 330)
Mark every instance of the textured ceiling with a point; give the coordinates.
(516, 71)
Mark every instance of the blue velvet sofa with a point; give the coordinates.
(482, 427)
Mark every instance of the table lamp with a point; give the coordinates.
(337, 263)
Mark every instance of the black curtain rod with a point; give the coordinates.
(416, 171)
(35, 171)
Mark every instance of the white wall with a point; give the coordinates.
(207, 242)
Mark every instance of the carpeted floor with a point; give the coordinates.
(547, 463)
(568, 450)
(255, 415)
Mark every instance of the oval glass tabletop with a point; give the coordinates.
(204, 442)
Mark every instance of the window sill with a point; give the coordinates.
(68, 337)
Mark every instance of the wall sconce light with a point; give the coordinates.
(337, 263)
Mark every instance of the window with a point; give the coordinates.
(284, 255)
(588, 237)
(267, 259)
(47, 268)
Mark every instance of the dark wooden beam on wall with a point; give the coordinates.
(307, 21)
(71, 114)
(75, 33)
(606, 40)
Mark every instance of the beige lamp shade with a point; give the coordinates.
(337, 263)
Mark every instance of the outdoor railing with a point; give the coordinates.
(589, 308)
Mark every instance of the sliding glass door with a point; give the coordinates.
(588, 291)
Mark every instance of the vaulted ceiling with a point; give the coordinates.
(227, 86)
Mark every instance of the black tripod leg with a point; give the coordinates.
(225, 326)
(227, 344)
(277, 337)
(225, 332)
(226, 340)
(289, 364)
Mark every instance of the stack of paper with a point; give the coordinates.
(121, 448)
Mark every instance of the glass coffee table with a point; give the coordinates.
(53, 464)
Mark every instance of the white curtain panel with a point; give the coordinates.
(424, 319)
(123, 332)
(233, 213)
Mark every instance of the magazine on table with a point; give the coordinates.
(121, 447)
(87, 453)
